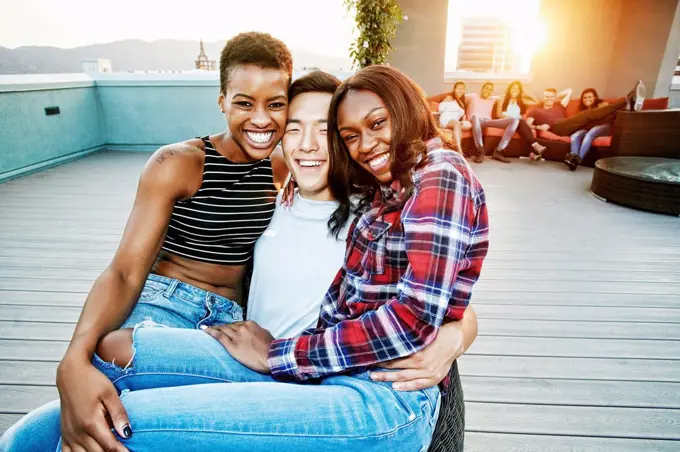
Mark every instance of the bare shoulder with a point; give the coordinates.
(176, 167)
(186, 152)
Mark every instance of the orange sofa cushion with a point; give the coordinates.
(656, 103)
(604, 142)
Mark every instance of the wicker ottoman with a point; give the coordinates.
(450, 430)
(645, 183)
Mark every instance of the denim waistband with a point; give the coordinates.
(193, 294)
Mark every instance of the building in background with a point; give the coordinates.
(203, 63)
(96, 66)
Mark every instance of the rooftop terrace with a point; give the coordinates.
(578, 304)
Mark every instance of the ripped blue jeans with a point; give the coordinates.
(183, 391)
(168, 302)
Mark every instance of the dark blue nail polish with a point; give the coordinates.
(127, 432)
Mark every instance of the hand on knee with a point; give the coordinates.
(116, 347)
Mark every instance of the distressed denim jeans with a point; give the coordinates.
(183, 391)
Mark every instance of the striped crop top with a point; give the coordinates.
(222, 221)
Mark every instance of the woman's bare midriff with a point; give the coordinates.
(225, 280)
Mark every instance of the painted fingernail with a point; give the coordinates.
(203, 327)
(127, 431)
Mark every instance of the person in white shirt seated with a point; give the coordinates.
(299, 254)
(452, 113)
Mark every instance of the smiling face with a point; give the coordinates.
(487, 90)
(588, 99)
(459, 90)
(305, 144)
(514, 91)
(365, 127)
(255, 106)
(549, 99)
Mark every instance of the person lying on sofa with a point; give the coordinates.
(515, 105)
(295, 261)
(550, 116)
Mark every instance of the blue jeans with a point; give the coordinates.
(478, 124)
(183, 391)
(582, 140)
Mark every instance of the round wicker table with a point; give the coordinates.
(645, 183)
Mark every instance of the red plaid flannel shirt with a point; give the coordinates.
(406, 271)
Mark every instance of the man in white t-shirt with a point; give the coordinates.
(297, 257)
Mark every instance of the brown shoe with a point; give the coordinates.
(498, 155)
(479, 156)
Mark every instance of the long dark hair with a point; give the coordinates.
(461, 100)
(412, 125)
(582, 106)
(520, 100)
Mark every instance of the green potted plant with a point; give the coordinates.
(376, 21)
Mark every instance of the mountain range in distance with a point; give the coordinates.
(135, 55)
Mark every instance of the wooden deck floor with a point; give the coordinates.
(579, 304)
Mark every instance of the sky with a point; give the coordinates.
(317, 26)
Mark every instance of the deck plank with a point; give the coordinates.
(605, 369)
(32, 373)
(498, 442)
(579, 336)
(640, 423)
(541, 391)
(20, 399)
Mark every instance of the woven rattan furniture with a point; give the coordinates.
(645, 183)
(449, 433)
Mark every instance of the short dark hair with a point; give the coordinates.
(314, 82)
(259, 49)
(550, 90)
(488, 83)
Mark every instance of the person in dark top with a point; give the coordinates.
(201, 204)
(551, 110)
(515, 105)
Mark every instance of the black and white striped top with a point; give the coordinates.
(225, 217)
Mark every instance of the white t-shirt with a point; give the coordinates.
(296, 259)
(448, 111)
(513, 110)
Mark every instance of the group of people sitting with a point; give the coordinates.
(519, 112)
(361, 278)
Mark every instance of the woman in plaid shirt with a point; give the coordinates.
(412, 258)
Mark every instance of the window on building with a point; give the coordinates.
(676, 76)
(492, 38)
